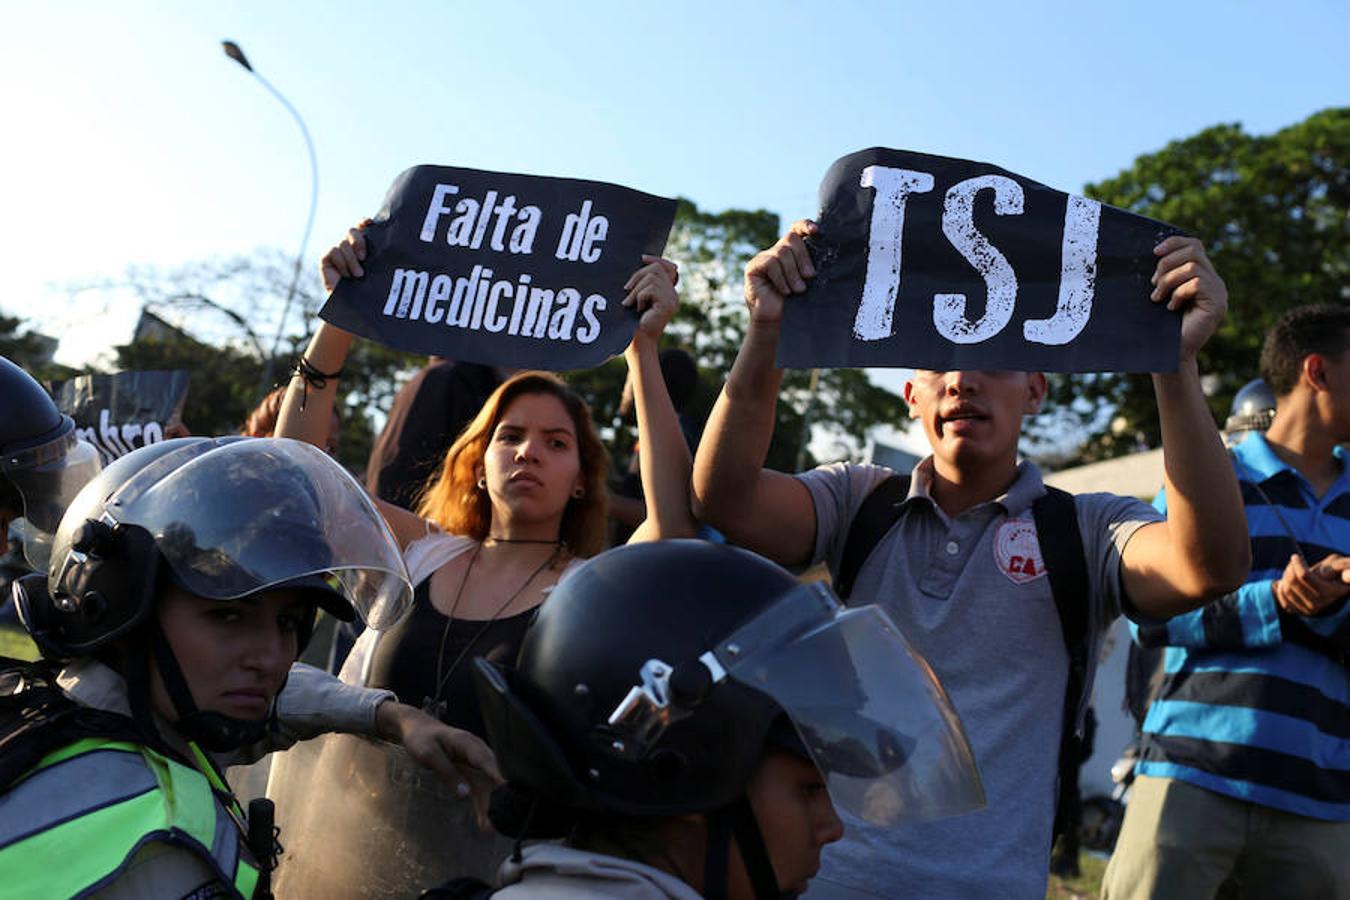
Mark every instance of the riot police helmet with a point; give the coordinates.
(222, 519)
(1253, 409)
(658, 675)
(43, 463)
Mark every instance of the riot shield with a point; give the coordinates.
(361, 818)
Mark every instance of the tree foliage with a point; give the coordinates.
(1272, 211)
(29, 350)
(712, 250)
(227, 315)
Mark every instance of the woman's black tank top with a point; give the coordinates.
(405, 657)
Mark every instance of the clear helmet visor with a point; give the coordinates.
(48, 478)
(235, 516)
(868, 709)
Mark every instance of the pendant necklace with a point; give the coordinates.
(433, 704)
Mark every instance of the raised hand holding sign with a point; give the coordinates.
(512, 270)
(942, 263)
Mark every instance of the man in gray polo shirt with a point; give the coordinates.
(961, 572)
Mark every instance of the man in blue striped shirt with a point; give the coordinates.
(1245, 767)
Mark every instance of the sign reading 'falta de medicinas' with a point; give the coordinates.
(511, 270)
(941, 263)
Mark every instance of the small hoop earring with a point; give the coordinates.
(578, 493)
(482, 483)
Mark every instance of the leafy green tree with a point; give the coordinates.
(29, 350)
(1272, 210)
(224, 385)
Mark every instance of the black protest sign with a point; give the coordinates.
(941, 263)
(511, 270)
(119, 412)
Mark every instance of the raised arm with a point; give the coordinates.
(1202, 551)
(307, 408)
(664, 456)
(766, 511)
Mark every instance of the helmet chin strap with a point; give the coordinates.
(738, 821)
(215, 731)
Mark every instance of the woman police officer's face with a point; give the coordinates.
(235, 654)
(796, 818)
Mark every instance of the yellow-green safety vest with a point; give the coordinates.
(71, 825)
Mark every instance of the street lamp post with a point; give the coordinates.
(233, 52)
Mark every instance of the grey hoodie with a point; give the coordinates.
(556, 872)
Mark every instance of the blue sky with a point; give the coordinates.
(132, 139)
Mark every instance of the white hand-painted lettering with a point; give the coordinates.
(1077, 276)
(469, 227)
(406, 292)
(112, 439)
(437, 209)
(876, 312)
(109, 435)
(581, 235)
(875, 317)
(591, 330)
(441, 286)
(478, 302)
(958, 224)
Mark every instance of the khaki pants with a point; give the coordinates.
(1180, 841)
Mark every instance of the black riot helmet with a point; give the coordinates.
(223, 519)
(657, 675)
(43, 463)
(1253, 410)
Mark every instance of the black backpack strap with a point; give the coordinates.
(878, 512)
(32, 712)
(1056, 518)
(1061, 543)
(37, 718)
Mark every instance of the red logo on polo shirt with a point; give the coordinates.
(1017, 551)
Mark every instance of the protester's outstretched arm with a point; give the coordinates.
(664, 456)
(307, 409)
(1202, 551)
(766, 511)
(315, 702)
(461, 759)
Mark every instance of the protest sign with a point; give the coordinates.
(119, 412)
(941, 263)
(511, 270)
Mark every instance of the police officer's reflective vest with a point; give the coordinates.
(72, 825)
